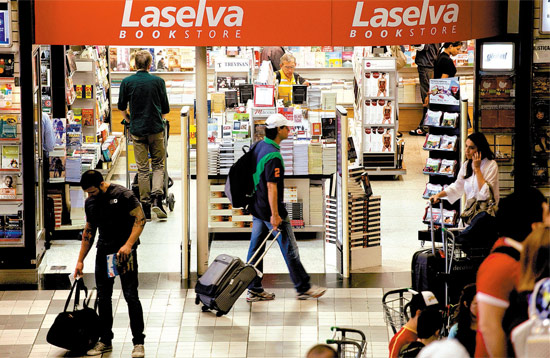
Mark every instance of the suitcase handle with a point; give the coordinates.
(266, 250)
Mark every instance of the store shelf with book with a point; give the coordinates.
(496, 120)
(540, 127)
(374, 126)
(444, 146)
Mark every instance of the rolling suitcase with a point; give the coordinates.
(226, 279)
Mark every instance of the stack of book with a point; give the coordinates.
(315, 158)
(295, 214)
(300, 154)
(73, 169)
(331, 219)
(57, 207)
(213, 159)
(314, 98)
(315, 205)
(364, 221)
(287, 148)
(355, 188)
(193, 161)
(329, 158)
(238, 145)
(226, 156)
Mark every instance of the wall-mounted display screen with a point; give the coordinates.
(497, 56)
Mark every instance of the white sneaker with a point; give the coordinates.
(99, 348)
(138, 351)
(313, 292)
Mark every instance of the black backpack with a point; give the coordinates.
(239, 186)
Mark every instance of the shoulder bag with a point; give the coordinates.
(76, 330)
(400, 58)
(475, 207)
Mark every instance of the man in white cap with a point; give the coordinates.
(408, 333)
(269, 212)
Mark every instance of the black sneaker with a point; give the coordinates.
(146, 210)
(158, 208)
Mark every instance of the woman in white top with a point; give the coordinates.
(479, 169)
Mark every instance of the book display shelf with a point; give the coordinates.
(11, 184)
(540, 123)
(443, 143)
(83, 138)
(374, 126)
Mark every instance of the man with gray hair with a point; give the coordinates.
(146, 95)
(286, 74)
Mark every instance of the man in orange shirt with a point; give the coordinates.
(407, 334)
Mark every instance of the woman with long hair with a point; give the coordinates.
(476, 174)
(464, 330)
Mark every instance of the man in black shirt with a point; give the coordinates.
(117, 213)
(426, 55)
(444, 65)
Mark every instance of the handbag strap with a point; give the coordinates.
(78, 285)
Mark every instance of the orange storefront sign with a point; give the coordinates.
(263, 23)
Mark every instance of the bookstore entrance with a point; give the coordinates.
(220, 97)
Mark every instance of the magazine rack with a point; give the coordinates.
(444, 144)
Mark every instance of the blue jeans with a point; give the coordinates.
(289, 249)
(129, 282)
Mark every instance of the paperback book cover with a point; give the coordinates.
(115, 267)
(59, 128)
(449, 120)
(432, 141)
(10, 156)
(447, 167)
(432, 118)
(8, 126)
(87, 116)
(6, 65)
(448, 142)
(57, 166)
(13, 227)
(432, 165)
(8, 187)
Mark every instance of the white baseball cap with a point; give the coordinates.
(277, 120)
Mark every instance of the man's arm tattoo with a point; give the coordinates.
(140, 217)
(89, 232)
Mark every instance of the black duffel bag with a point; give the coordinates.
(76, 330)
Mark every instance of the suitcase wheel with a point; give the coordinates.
(205, 309)
(219, 314)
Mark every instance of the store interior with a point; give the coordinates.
(331, 71)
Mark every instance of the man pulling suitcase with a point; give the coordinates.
(270, 214)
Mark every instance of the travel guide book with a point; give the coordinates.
(8, 126)
(115, 267)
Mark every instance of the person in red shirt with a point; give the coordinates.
(518, 214)
(407, 334)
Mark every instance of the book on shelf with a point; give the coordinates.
(6, 95)
(431, 190)
(8, 187)
(449, 119)
(11, 227)
(74, 137)
(87, 116)
(447, 167)
(10, 157)
(328, 128)
(432, 118)
(8, 126)
(432, 141)
(448, 142)
(58, 158)
(59, 128)
(7, 64)
(432, 165)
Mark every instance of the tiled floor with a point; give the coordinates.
(176, 327)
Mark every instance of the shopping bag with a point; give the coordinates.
(76, 330)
